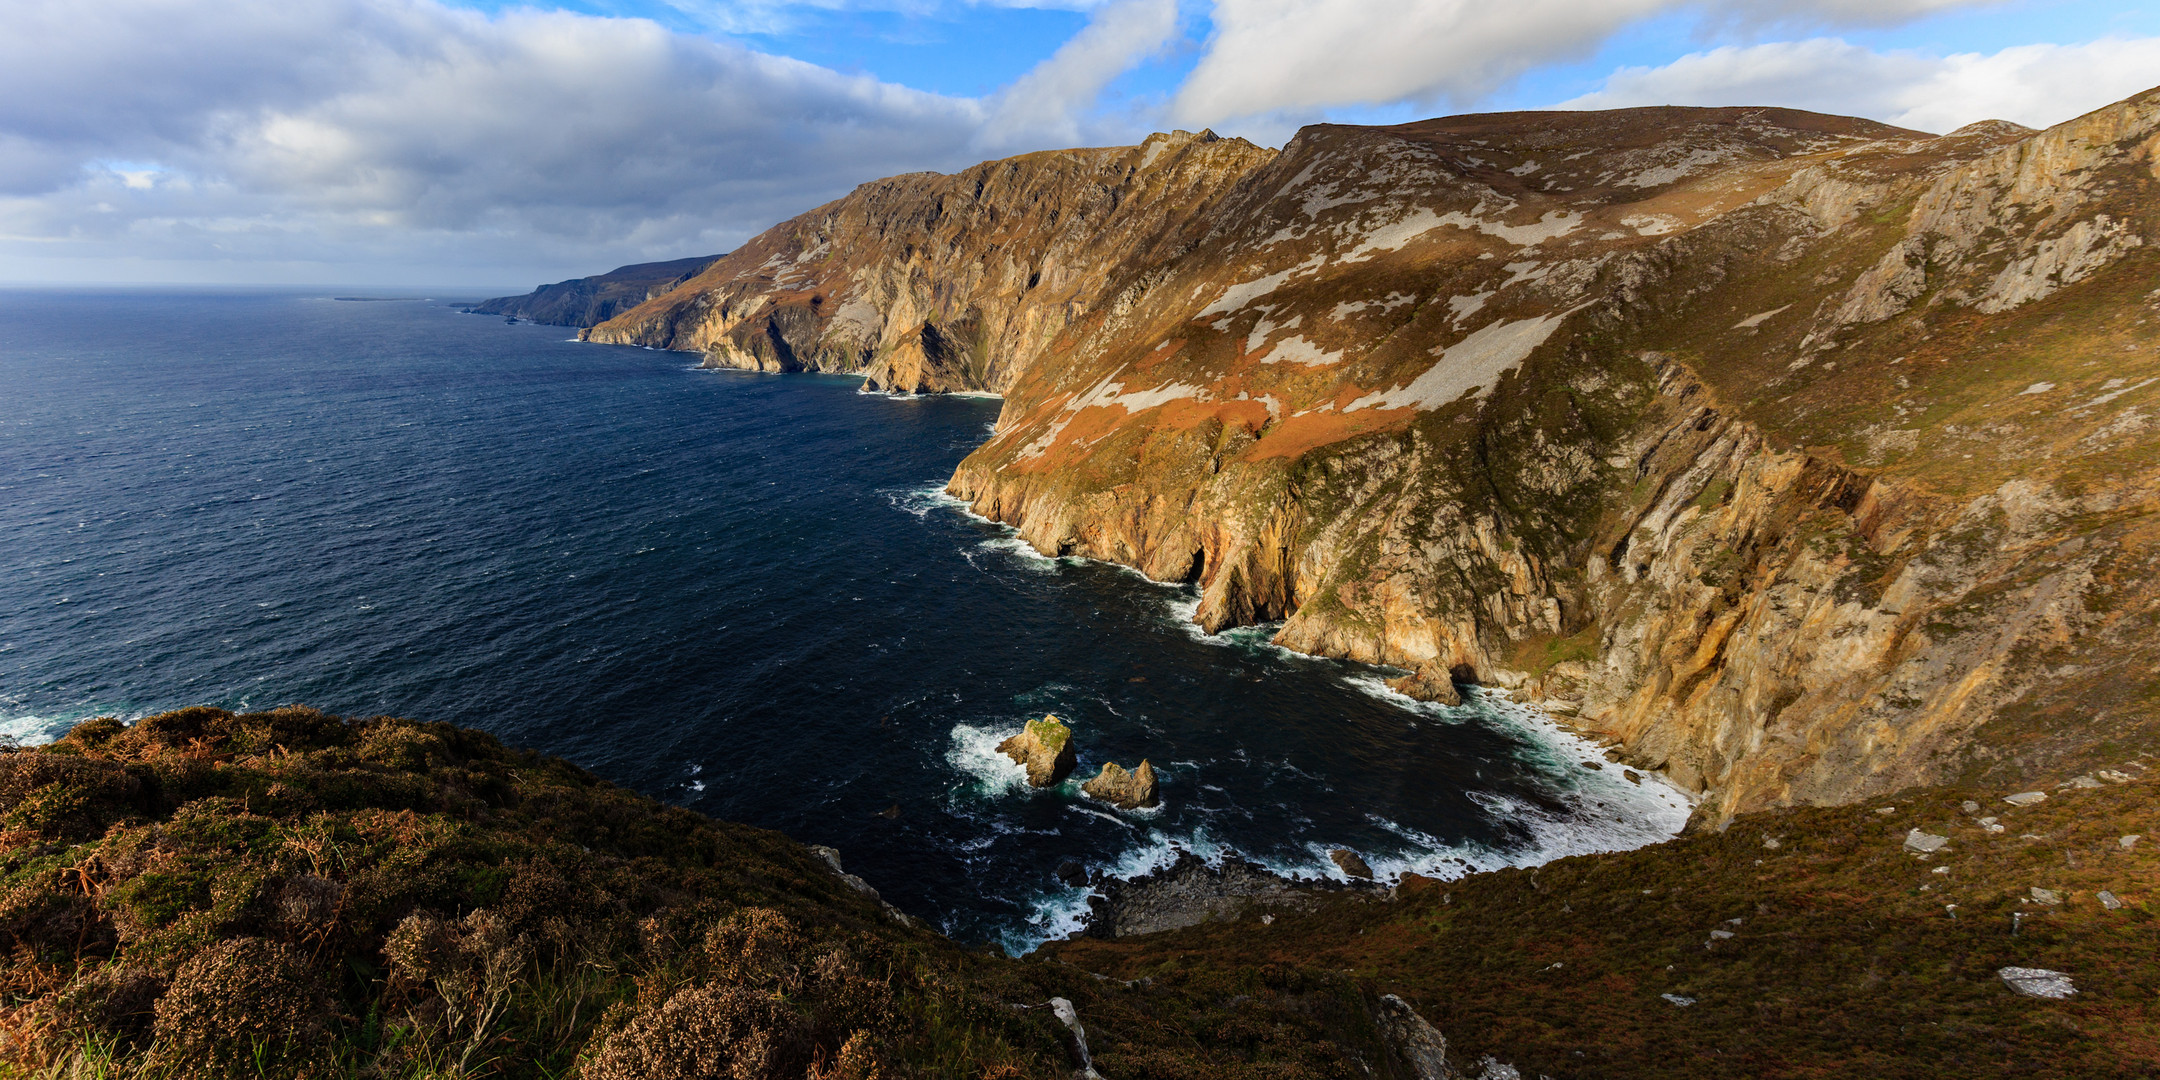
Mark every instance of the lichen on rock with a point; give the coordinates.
(1132, 789)
(1045, 749)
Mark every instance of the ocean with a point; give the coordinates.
(744, 594)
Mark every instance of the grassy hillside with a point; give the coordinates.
(1848, 956)
(290, 894)
(287, 893)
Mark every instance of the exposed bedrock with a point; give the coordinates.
(1798, 456)
(1785, 527)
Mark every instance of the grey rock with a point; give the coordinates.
(2026, 798)
(1679, 1002)
(2046, 896)
(1414, 1039)
(1189, 892)
(2080, 782)
(2108, 900)
(1924, 842)
(1491, 1069)
(2038, 982)
(1070, 1017)
(2130, 841)
(1969, 806)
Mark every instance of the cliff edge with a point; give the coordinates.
(1798, 456)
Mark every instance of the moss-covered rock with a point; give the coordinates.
(1045, 749)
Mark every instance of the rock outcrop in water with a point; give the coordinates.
(1132, 790)
(589, 301)
(1798, 456)
(1045, 749)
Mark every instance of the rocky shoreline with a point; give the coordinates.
(1192, 891)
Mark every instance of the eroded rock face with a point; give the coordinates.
(1045, 749)
(928, 283)
(1133, 790)
(1797, 456)
(1636, 414)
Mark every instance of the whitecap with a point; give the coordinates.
(1020, 551)
(1111, 818)
(920, 501)
(974, 753)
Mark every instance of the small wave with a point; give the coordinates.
(1020, 551)
(1056, 916)
(921, 501)
(974, 752)
(37, 730)
(1106, 816)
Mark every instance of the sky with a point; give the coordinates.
(482, 145)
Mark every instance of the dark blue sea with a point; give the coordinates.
(739, 593)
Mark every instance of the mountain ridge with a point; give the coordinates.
(1664, 418)
(589, 301)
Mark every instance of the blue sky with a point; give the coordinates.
(454, 142)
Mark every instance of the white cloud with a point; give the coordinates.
(1052, 100)
(1300, 56)
(2034, 85)
(404, 133)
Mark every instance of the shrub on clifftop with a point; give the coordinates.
(207, 894)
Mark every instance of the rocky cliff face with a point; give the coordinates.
(588, 301)
(940, 283)
(1798, 456)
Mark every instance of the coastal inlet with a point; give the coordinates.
(742, 593)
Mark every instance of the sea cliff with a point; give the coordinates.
(1797, 456)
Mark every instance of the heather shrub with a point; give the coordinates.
(757, 947)
(242, 1007)
(707, 1033)
(110, 1000)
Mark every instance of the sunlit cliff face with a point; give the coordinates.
(1727, 431)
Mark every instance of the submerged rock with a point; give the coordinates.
(1045, 749)
(1134, 790)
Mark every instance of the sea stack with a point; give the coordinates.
(1045, 748)
(1133, 790)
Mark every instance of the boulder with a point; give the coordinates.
(2038, 982)
(1045, 749)
(1350, 863)
(1437, 687)
(1924, 842)
(1133, 790)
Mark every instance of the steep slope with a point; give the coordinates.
(1798, 456)
(588, 301)
(939, 283)
(287, 894)
(1804, 942)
